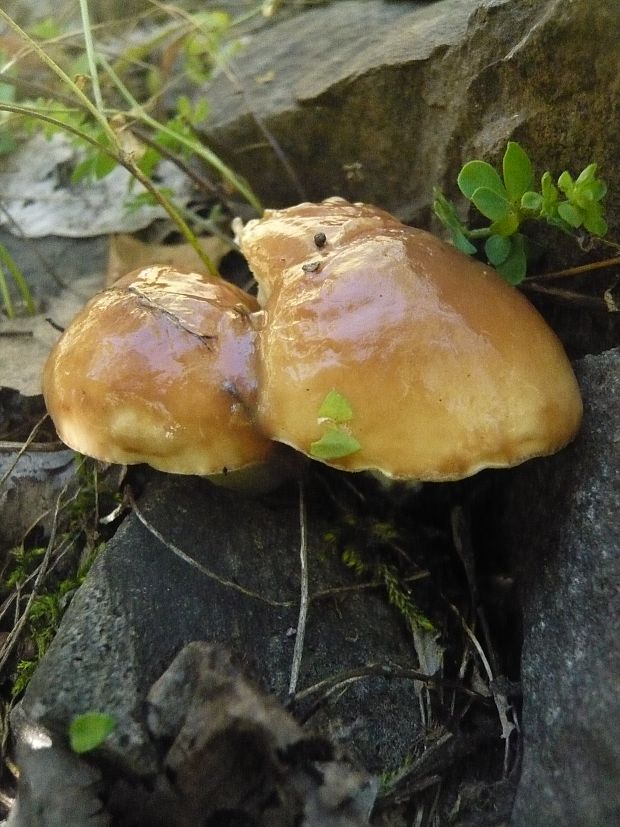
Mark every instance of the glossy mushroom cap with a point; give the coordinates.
(305, 233)
(160, 369)
(444, 368)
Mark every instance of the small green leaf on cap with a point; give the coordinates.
(90, 730)
(334, 444)
(336, 407)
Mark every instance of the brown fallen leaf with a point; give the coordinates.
(128, 253)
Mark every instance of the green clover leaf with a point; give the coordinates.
(334, 444)
(90, 730)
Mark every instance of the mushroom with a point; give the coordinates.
(160, 369)
(385, 349)
(305, 233)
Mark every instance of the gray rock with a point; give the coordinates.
(227, 572)
(565, 546)
(228, 751)
(380, 101)
(28, 495)
(57, 788)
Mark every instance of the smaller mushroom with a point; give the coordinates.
(399, 354)
(160, 369)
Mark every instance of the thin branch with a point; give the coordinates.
(23, 449)
(202, 151)
(129, 164)
(229, 584)
(16, 631)
(566, 295)
(64, 77)
(90, 55)
(331, 684)
(303, 601)
(576, 271)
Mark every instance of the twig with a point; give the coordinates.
(235, 81)
(566, 295)
(371, 584)
(329, 685)
(23, 449)
(502, 704)
(90, 55)
(16, 631)
(303, 601)
(229, 584)
(576, 271)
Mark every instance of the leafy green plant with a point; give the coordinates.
(41, 581)
(510, 199)
(46, 610)
(376, 566)
(89, 730)
(10, 270)
(127, 134)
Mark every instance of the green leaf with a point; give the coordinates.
(550, 196)
(7, 142)
(477, 174)
(445, 211)
(566, 183)
(507, 225)
(462, 243)
(336, 407)
(497, 249)
(491, 204)
(104, 164)
(594, 221)
(570, 213)
(514, 268)
(518, 171)
(532, 202)
(334, 444)
(587, 175)
(146, 199)
(90, 730)
(45, 29)
(591, 190)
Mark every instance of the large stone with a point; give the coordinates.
(380, 101)
(218, 566)
(566, 549)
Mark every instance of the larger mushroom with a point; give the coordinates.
(385, 349)
(160, 369)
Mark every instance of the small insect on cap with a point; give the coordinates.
(160, 369)
(388, 350)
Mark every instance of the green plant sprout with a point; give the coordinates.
(337, 441)
(112, 134)
(89, 730)
(511, 199)
(45, 579)
(9, 268)
(356, 556)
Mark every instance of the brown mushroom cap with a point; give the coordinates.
(446, 368)
(160, 369)
(284, 238)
